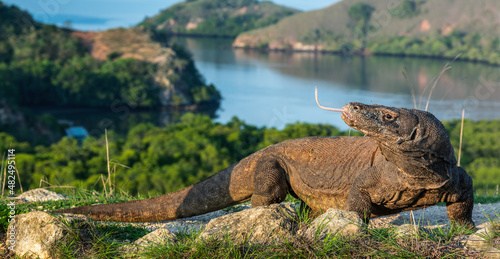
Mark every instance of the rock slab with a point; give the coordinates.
(263, 225)
(159, 236)
(333, 222)
(37, 233)
(41, 195)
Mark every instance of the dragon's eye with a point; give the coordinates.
(388, 117)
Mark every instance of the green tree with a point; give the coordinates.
(406, 9)
(6, 52)
(361, 13)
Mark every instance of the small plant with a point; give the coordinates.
(4, 217)
(303, 211)
(445, 234)
(492, 232)
(75, 242)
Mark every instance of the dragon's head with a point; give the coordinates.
(414, 132)
(407, 132)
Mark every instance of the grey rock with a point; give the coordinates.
(479, 240)
(333, 222)
(159, 236)
(37, 233)
(476, 242)
(492, 253)
(41, 195)
(488, 230)
(261, 225)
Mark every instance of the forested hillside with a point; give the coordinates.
(46, 65)
(216, 17)
(407, 27)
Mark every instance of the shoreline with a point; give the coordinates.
(366, 53)
(359, 53)
(199, 35)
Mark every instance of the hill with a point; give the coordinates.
(117, 70)
(408, 27)
(46, 65)
(217, 17)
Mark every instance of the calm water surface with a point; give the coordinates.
(274, 89)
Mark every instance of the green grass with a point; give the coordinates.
(485, 199)
(105, 240)
(89, 241)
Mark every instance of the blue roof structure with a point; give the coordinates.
(77, 132)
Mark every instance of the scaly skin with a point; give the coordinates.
(405, 163)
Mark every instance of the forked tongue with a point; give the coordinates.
(331, 109)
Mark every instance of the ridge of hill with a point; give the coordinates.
(406, 27)
(217, 17)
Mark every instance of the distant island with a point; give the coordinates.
(440, 29)
(216, 18)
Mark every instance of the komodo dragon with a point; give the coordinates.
(406, 163)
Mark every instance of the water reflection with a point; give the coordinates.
(272, 89)
(382, 74)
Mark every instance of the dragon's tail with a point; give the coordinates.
(221, 190)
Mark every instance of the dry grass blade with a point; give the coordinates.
(107, 159)
(410, 85)
(19, 178)
(56, 186)
(445, 68)
(4, 170)
(461, 135)
(120, 164)
(114, 178)
(104, 185)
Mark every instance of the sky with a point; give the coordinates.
(105, 14)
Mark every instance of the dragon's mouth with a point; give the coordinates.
(348, 119)
(345, 113)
